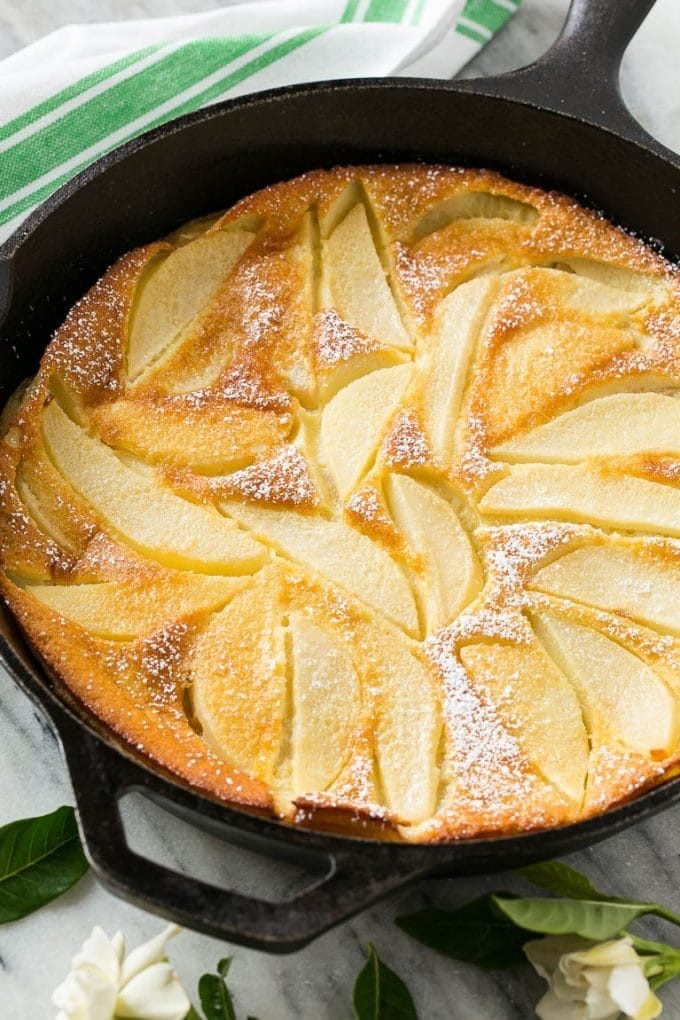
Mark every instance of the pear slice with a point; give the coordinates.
(407, 728)
(338, 552)
(615, 277)
(538, 706)
(53, 505)
(457, 327)
(619, 579)
(356, 280)
(353, 423)
(451, 575)
(467, 205)
(623, 699)
(118, 610)
(193, 229)
(581, 494)
(174, 291)
(239, 681)
(326, 705)
(142, 511)
(604, 296)
(618, 425)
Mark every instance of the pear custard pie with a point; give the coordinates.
(359, 505)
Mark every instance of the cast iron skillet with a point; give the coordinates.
(560, 122)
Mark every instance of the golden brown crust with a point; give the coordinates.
(325, 504)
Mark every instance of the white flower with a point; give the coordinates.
(104, 984)
(591, 981)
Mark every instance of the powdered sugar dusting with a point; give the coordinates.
(259, 284)
(244, 384)
(475, 465)
(625, 632)
(109, 560)
(517, 307)
(406, 445)
(337, 341)
(88, 350)
(20, 527)
(495, 619)
(511, 554)
(367, 511)
(625, 773)
(162, 662)
(354, 792)
(366, 503)
(514, 550)
(484, 756)
(425, 277)
(661, 469)
(283, 479)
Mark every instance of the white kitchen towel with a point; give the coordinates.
(80, 91)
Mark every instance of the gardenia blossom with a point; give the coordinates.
(591, 981)
(105, 984)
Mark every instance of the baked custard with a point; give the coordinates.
(359, 505)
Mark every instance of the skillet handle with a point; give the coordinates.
(579, 74)
(356, 874)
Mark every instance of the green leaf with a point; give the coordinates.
(380, 994)
(475, 933)
(592, 919)
(215, 996)
(562, 880)
(192, 1015)
(40, 858)
(559, 878)
(223, 966)
(645, 947)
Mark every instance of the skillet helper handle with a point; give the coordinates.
(579, 74)
(353, 880)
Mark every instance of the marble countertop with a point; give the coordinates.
(316, 983)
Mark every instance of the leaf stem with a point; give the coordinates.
(667, 915)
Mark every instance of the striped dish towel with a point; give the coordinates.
(81, 91)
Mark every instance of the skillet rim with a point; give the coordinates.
(34, 680)
(480, 87)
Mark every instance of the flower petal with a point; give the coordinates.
(153, 994)
(86, 994)
(143, 956)
(568, 991)
(618, 952)
(101, 952)
(629, 989)
(118, 943)
(552, 1008)
(544, 954)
